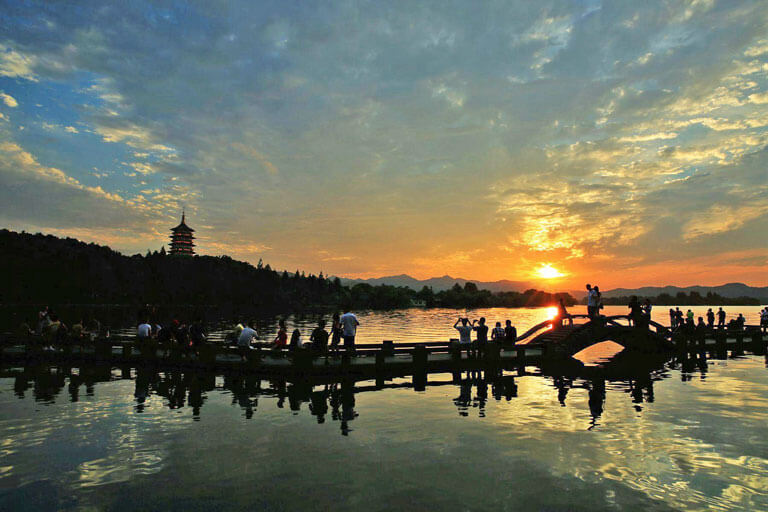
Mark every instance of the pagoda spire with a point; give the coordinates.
(182, 238)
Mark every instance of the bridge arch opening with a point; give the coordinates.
(599, 353)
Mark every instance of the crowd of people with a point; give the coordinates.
(687, 321)
(51, 330)
(343, 327)
(476, 348)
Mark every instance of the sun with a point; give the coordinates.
(547, 271)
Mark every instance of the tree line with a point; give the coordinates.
(43, 269)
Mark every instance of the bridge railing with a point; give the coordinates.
(614, 320)
(545, 325)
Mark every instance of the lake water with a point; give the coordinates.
(686, 435)
(436, 324)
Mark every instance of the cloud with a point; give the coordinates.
(576, 131)
(16, 65)
(9, 100)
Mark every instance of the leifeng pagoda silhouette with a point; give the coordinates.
(182, 240)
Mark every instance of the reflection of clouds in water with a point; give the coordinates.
(122, 465)
(677, 450)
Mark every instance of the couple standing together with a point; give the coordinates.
(594, 301)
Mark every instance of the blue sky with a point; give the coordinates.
(481, 139)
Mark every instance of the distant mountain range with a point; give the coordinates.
(730, 290)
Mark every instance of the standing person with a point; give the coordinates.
(562, 312)
(465, 334)
(710, 318)
(144, 331)
(689, 316)
(197, 334)
(246, 338)
(43, 320)
(510, 333)
(672, 318)
(598, 300)
(335, 334)
(78, 331)
(349, 325)
(635, 311)
(740, 321)
(680, 317)
(764, 319)
(281, 340)
(498, 335)
(319, 338)
(591, 302)
(482, 336)
(647, 307)
(720, 318)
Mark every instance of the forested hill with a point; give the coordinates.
(41, 269)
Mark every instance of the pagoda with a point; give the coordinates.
(181, 239)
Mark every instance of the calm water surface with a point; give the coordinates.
(436, 324)
(689, 435)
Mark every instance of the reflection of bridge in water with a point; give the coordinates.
(326, 400)
(332, 399)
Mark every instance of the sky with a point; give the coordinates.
(622, 143)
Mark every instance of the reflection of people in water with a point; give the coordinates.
(562, 385)
(342, 402)
(464, 399)
(318, 404)
(596, 400)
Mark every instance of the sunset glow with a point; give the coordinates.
(422, 141)
(547, 271)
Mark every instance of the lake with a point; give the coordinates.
(685, 435)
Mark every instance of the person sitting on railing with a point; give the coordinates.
(295, 341)
(246, 338)
(319, 338)
(281, 340)
(701, 330)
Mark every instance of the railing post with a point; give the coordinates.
(739, 343)
(104, 349)
(757, 342)
(721, 346)
(420, 368)
(520, 355)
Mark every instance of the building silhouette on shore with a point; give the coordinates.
(182, 239)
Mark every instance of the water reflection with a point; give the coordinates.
(685, 433)
(334, 400)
